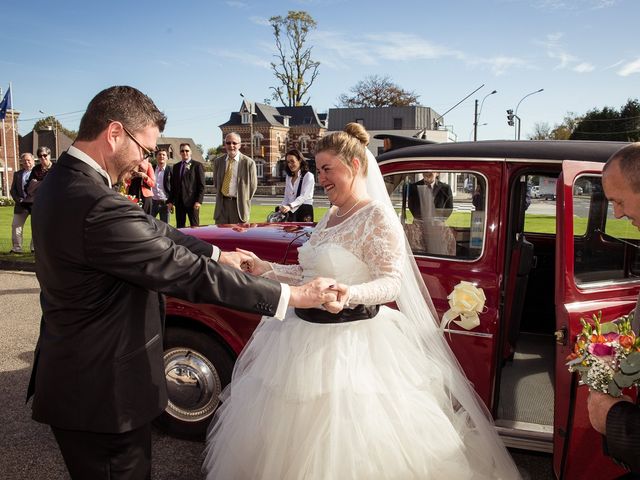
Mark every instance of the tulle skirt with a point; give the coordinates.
(356, 400)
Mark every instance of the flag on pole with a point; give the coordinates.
(5, 104)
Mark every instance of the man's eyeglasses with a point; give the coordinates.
(147, 154)
(43, 155)
(231, 143)
(185, 151)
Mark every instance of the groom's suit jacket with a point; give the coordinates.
(246, 185)
(99, 359)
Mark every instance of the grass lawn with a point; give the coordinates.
(258, 214)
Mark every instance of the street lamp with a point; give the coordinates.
(515, 114)
(250, 124)
(55, 132)
(476, 115)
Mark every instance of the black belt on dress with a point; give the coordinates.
(316, 315)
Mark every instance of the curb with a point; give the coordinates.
(16, 265)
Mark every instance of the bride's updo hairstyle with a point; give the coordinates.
(348, 144)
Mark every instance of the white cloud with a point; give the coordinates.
(260, 21)
(241, 57)
(584, 67)
(630, 68)
(500, 64)
(236, 4)
(574, 4)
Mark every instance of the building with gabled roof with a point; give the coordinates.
(172, 146)
(267, 132)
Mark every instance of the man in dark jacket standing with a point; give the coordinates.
(430, 197)
(618, 419)
(98, 375)
(19, 194)
(187, 188)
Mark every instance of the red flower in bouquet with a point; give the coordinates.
(607, 355)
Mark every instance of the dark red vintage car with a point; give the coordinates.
(542, 264)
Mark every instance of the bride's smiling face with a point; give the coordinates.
(335, 177)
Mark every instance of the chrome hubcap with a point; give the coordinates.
(192, 383)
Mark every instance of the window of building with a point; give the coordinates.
(397, 123)
(260, 168)
(304, 143)
(246, 118)
(257, 141)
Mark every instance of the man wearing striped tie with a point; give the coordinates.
(236, 181)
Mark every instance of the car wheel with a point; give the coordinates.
(197, 368)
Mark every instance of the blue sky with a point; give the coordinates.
(195, 57)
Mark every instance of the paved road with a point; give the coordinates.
(28, 450)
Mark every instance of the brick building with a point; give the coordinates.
(275, 130)
(9, 144)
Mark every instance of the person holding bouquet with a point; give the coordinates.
(618, 419)
(361, 393)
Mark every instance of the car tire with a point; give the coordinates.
(197, 368)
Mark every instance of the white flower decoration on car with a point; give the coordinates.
(466, 301)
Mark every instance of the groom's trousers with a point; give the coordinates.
(106, 456)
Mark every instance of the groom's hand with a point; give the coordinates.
(316, 292)
(237, 260)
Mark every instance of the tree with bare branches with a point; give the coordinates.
(376, 91)
(294, 68)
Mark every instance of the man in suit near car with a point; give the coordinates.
(18, 192)
(187, 188)
(430, 187)
(162, 188)
(618, 419)
(98, 375)
(236, 181)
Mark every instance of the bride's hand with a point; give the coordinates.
(252, 263)
(343, 295)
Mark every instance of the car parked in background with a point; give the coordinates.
(542, 267)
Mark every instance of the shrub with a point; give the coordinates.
(6, 202)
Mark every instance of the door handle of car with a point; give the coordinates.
(561, 336)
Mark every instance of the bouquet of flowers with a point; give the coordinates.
(607, 355)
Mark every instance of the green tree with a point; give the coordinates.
(560, 131)
(610, 124)
(376, 91)
(294, 68)
(51, 121)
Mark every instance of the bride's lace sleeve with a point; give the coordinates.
(383, 251)
(289, 274)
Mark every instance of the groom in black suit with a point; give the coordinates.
(618, 419)
(98, 375)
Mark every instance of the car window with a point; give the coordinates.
(605, 247)
(540, 213)
(443, 212)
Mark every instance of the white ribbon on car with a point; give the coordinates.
(465, 301)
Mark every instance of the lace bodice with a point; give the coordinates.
(364, 252)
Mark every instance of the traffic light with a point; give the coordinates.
(510, 117)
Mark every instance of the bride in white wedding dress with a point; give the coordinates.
(368, 392)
